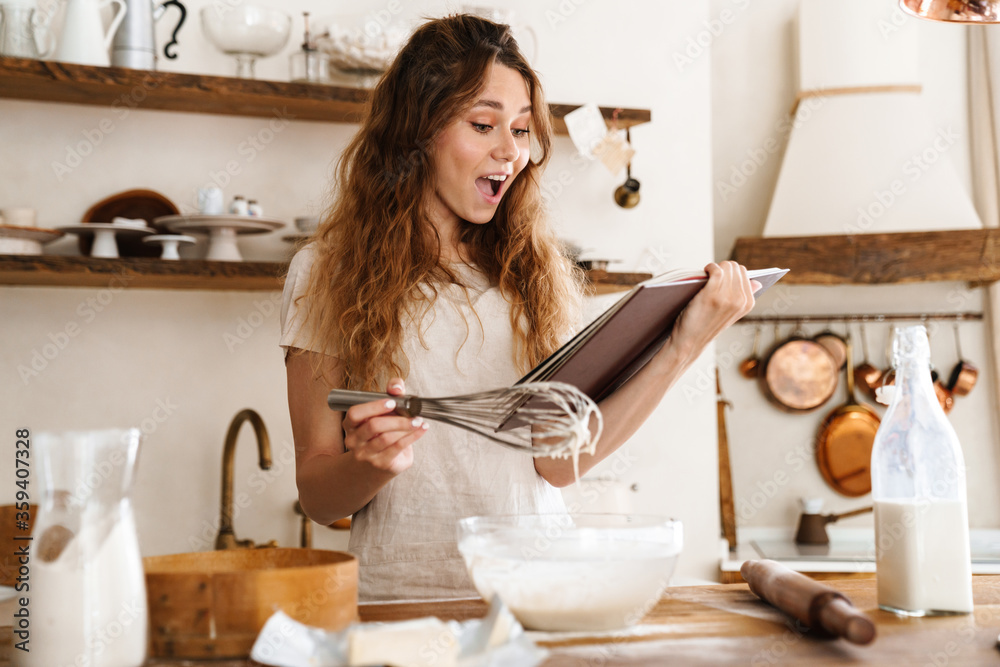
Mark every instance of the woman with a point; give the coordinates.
(436, 265)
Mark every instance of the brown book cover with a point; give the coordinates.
(616, 345)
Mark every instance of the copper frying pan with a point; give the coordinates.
(844, 444)
(798, 374)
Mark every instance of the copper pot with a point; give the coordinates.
(844, 443)
(750, 365)
(835, 344)
(964, 375)
(866, 376)
(798, 374)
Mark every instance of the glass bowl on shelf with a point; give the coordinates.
(359, 48)
(246, 32)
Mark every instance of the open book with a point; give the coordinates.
(612, 348)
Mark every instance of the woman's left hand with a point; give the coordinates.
(726, 297)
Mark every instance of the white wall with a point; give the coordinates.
(753, 85)
(165, 360)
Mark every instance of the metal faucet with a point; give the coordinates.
(226, 539)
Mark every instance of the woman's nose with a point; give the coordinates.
(506, 149)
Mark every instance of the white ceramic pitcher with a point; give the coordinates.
(84, 40)
(22, 27)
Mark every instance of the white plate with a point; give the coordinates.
(206, 224)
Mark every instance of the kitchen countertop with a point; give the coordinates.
(726, 624)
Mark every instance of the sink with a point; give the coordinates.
(213, 604)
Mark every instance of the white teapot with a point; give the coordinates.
(84, 40)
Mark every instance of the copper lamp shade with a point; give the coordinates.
(958, 11)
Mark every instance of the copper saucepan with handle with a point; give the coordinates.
(798, 374)
(844, 443)
(964, 374)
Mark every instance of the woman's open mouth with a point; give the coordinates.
(490, 186)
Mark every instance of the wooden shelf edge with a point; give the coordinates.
(139, 272)
(125, 89)
(189, 274)
(966, 255)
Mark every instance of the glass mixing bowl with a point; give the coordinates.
(246, 32)
(558, 572)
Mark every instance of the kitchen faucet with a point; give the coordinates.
(226, 539)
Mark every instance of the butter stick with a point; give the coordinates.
(808, 601)
(422, 642)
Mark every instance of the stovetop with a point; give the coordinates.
(983, 551)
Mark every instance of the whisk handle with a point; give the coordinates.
(342, 399)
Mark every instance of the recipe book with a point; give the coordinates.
(616, 345)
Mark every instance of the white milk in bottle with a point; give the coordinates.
(923, 561)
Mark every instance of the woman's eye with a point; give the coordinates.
(520, 134)
(482, 127)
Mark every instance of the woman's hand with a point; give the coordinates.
(373, 434)
(726, 298)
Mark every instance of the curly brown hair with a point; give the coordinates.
(376, 247)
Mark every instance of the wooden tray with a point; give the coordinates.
(213, 604)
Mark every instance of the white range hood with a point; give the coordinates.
(866, 157)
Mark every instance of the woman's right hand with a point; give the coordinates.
(375, 435)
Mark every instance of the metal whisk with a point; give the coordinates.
(544, 418)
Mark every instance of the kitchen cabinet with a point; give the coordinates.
(970, 255)
(728, 625)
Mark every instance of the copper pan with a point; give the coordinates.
(844, 444)
(964, 374)
(835, 344)
(866, 375)
(798, 374)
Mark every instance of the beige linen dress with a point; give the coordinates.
(405, 538)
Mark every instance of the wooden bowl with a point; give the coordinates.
(213, 604)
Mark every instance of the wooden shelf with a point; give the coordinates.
(969, 255)
(141, 272)
(50, 81)
(188, 274)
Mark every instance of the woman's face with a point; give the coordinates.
(480, 153)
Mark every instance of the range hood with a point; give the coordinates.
(863, 155)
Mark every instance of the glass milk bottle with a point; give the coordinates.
(923, 562)
(87, 593)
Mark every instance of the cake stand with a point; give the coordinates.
(104, 235)
(17, 240)
(222, 231)
(170, 243)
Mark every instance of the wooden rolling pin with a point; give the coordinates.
(808, 601)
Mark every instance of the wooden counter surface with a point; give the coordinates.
(726, 624)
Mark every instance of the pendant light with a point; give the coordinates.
(957, 11)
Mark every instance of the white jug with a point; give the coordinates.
(84, 40)
(22, 27)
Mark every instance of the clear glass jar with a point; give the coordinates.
(923, 560)
(87, 589)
